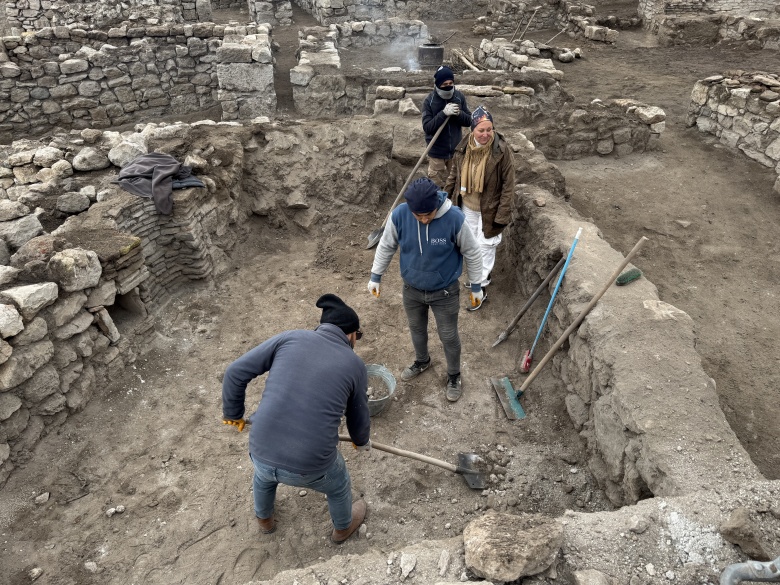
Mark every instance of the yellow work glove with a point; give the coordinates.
(240, 423)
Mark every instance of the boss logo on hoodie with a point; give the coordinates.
(438, 241)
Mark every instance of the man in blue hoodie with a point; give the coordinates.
(314, 378)
(444, 104)
(434, 241)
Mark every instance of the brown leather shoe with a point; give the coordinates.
(359, 510)
(267, 525)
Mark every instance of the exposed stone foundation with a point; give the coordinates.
(743, 111)
(756, 33)
(650, 9)
(65, 76)
(30, 15)
(333, 11)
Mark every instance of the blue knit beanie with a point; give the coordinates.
(422, 196)
(442, 74)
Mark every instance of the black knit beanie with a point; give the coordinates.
(337, 312)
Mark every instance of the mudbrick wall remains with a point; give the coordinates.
(743, 111)
(69, 77)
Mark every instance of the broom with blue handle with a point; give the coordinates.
(525, 364)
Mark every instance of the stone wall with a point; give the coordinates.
(274, 12)
(68, 77)
(60, 291)
(650, 9)
(333, 11)
(30, 15)
(756, 33)
(743, 112)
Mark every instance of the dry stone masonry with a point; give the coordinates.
(756, 33)
(743, 111)
(66, 76)
(649, 9)
(30, 15)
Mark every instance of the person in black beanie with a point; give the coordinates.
(443, 104)
(314, 377)
(435, 244)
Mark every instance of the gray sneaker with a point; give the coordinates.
(415, 370)
(454, 387)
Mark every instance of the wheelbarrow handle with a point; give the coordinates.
(412, 455)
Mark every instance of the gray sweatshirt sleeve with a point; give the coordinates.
(385, 249)
(472, 254)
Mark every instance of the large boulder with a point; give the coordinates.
(506, 547)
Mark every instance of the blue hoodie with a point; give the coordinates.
(431, 255)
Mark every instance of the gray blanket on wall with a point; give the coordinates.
(155, 175)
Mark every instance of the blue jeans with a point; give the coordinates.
(445, 304)
(334, 483)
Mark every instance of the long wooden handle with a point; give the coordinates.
(581, 316)
(409, 454)
(414, 170)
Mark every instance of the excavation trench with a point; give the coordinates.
(285, 220)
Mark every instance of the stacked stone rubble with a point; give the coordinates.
(273, 12)
(652, 9)
(511, 17)
(59, 291)
(69, 77)
(394, 31)
(31, 15)
(756, 33)
(337, 11)
(743, 111)
(58, 348)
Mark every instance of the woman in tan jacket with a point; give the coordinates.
(482, 183)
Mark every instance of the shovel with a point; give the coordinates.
(374, 237)
(466, 462)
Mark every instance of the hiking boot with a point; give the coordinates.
(267, 525)
(454, 387)
(478, 307)
(359, 509)
(415, 370)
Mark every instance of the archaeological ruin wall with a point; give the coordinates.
(69, 77)
(756, 33)
(743, 112)
(334, 11)
(650, 9)
(30, 15)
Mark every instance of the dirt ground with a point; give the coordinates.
(154, 444)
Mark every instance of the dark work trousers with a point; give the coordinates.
(445, 304)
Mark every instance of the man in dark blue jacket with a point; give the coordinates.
(434, 241)
(314, 378)
(444, 104)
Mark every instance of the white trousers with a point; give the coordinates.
(487, 245)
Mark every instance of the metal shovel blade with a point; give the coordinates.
(467, 467)
(374, 237)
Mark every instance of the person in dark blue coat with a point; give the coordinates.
(444, 103)
(435, 243)
(314, 378)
